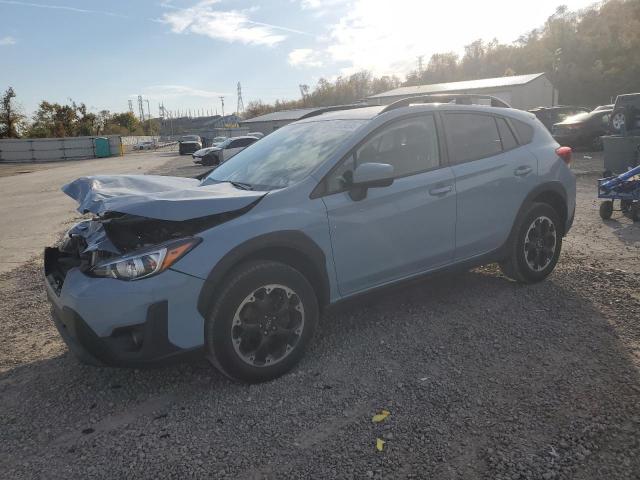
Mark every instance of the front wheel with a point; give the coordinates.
(536, 244)
(261, 322)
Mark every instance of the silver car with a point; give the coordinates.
(222, 152)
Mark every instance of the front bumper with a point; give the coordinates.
(126, 324)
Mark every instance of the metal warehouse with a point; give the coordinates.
(520, 91)
(272, 121)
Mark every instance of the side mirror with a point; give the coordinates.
(370, 175)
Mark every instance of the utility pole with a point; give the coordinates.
(240, 105)
(222, 102)
(420, 58)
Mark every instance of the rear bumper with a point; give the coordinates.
(126, 324)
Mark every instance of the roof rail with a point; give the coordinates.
(456, 98)
(334, 108)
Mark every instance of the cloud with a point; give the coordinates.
(5, 41)
(305, 57)
(230, 26)
(61, 7)
(387, 37)
(175, 91)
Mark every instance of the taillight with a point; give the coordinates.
(565, 154)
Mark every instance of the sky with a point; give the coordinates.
(188, 53)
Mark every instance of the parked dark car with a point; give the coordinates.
(549, 116)
(583, 130)
(626, 113)
(189, 144)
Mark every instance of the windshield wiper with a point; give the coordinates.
(241, 185)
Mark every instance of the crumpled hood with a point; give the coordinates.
(155, 196)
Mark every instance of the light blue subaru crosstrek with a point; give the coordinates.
(241, 264)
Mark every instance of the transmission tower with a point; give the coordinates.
(131, 106)
(420, 58)
(140, 108)
(240, 106)
(148, 110)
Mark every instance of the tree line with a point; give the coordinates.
(67, 120)
(590, 55)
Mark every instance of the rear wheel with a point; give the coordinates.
(261, 322)
(536, 245)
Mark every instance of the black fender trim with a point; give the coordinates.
(553, 190)
(288, 246)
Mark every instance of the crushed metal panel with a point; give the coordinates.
(155, 196)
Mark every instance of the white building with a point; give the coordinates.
(519, 91)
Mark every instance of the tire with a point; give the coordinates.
(617, 120)
(235, 341)
(606, 209)
(538, 260)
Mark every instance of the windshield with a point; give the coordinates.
(286, 156)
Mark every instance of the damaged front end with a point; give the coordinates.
(126, 247)
(142, 224)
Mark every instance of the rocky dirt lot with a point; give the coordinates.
(483, 378)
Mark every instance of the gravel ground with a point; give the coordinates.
(483, 377)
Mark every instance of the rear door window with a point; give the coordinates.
(471, 136)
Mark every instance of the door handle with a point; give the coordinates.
(440, 190)
(522, 171)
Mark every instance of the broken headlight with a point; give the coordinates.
(144, 263)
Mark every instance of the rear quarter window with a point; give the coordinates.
(523, 130)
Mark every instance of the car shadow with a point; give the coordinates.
(475, 369)
(627, 233)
